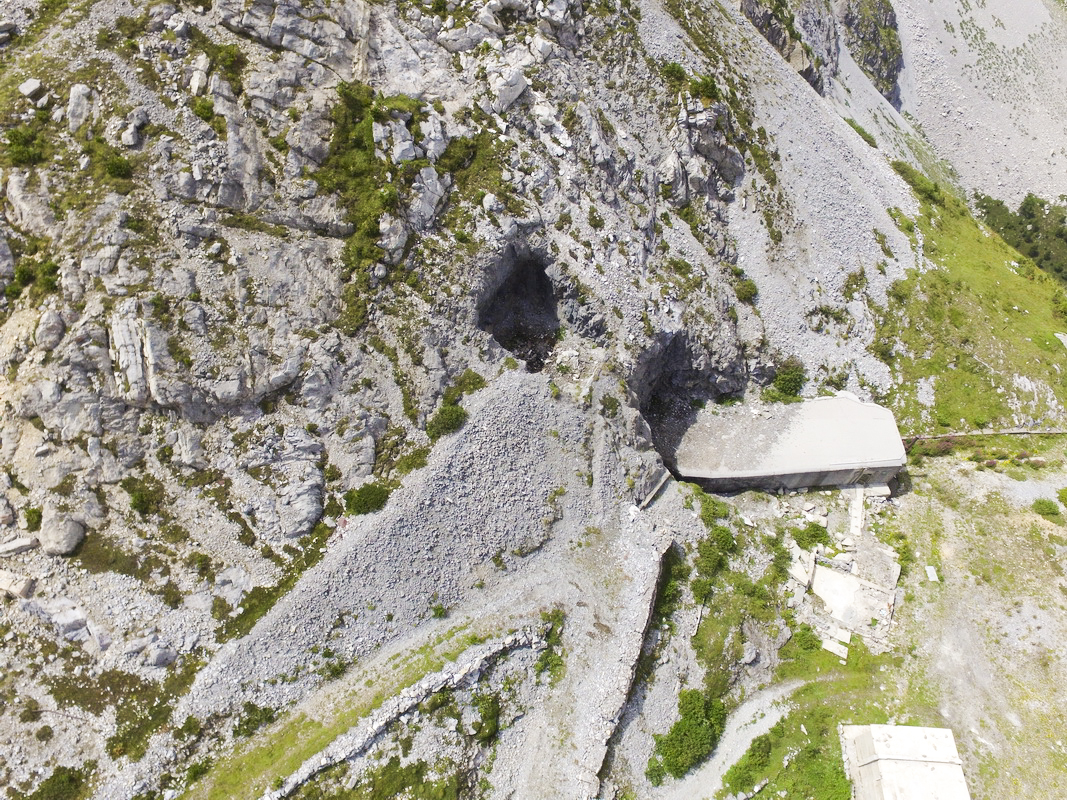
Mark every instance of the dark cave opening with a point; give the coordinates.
(676, 381)
(523, 314)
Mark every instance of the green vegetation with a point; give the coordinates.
(65, 783)
(100, 554)
(146, 494)
(417, 780)
(982, 316)
(33, 519)
(551, 658)
(253, 718)
(367, 499)
(746, 290)
(35, 278)
(228, 59)
(141, 707)
(810, 535)
(488, 724)
(875, 45)
(789, 380)
(691, 739)
(280, 750)
(204, 107)
(452, 416)
(249, 222)
(26, 146)
(448, 419)
(1049, 509)
(801, 755)
(700, 86)
(870, 140)
(1037, 230)
(364, 188)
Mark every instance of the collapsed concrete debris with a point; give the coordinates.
(855, 587)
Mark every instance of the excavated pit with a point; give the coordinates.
(523, 313)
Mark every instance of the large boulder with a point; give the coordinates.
(60, 534)
(49, 330)
(79, 106)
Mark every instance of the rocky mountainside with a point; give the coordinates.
(344, 344)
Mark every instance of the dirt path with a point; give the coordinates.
(754, 717)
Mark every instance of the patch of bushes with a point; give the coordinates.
(146, 494)
(65, 783)
(810, 535)
(746, 290)
(790, 377)
(551, 658)
(451, 416)
(1038, 230)
(253, 718)
(39, 278)
(33, 519)
(789, 380)
(367, 499)
(691, 739)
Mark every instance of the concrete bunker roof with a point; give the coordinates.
(902, 762)
(826, 436)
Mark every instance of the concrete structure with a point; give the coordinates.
(900, 762)
(828, 441)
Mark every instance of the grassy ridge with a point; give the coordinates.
(282, 748)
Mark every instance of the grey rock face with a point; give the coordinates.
(872, 38)
(60, 534)
(30, 209)
(50, 330)
(78, 106)
(7, 262)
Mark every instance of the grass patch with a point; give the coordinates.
(551, 658)
(65, 783)
(981, 316)
(1049, 509)
(142, 707)
(870, 140)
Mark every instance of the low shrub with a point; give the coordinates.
(1049, 509)
(367, 499)
(448, 419)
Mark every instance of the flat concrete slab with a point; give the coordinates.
(852, 601)
(901, 762)
(828, 441)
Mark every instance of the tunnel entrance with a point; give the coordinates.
(523, 314)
